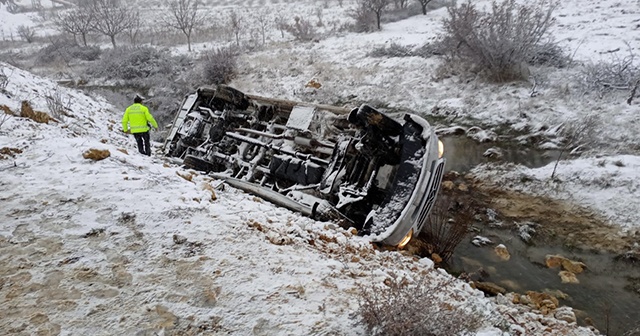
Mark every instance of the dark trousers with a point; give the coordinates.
(144, 147)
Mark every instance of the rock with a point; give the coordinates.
(481, 135)
(554, 261)
(447, 185)
(463, 187)
(502, 252)
(178, 239)
(565, 314)
(96, 154)
(574, 267)
(481, 241)
(629, 256)
(543, 302)
(557, 293)
(278, 239)
(493, 153)
(568, 277)
(164, 319)
(38, 319)
(453, 130)
(547, 306)
(209, 187)
(489, 288)
(436, 258)
(208, 298)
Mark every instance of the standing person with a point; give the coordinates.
(136, 120)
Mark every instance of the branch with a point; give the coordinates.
(633, 92)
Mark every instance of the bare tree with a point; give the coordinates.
(26, 33)
(281, 23)
(377, 7)
(500, 42)
(185, 16)
(134, 28)
(423, 5)
(236, 26)
(319, 16)
(78, 21)
(111, 18)
(400, 4)
(263, 23)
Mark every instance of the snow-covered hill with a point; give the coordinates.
(135, 245)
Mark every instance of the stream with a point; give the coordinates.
(607, 295)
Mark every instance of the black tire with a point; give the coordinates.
(194, 162)
(232, 96)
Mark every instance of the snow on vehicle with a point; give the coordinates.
(357, 167)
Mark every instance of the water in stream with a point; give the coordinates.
(463, 153)
(601, 287)
(601, 294)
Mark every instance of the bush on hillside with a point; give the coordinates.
(66, 50)
(392, 50)
(365, 19)
(302, 29)
(500, 43)
(219, 66)
(549, 54)
(615, 74)
(129, 63)
(400, 306)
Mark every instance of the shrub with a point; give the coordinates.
(57, 106)
(401, 13)
(220, 66)
(4, 81)
(618, 73)
(365, 19)
(430, 49)
(26, 33)
(497, 44)
(66, 50)
(392, 50)
(400, 306)
(447, 225)
(134, 63)
(302, 29)
(549, 54)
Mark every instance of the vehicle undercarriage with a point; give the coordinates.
(357, 167)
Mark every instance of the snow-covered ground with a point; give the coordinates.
(132, 244)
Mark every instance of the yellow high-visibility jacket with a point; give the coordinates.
(136, 119)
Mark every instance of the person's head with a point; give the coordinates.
(138, 99)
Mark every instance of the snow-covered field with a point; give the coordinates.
(135, 245)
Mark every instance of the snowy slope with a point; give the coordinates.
(134, 245)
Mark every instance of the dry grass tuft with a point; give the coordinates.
(6, 110)
(186, 176)
(400, 306)
(209, 187)
(96, 154)
(26, 111)
(7, 152)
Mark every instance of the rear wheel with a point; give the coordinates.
(197, 163)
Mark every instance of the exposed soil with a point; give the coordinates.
(560, 223)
